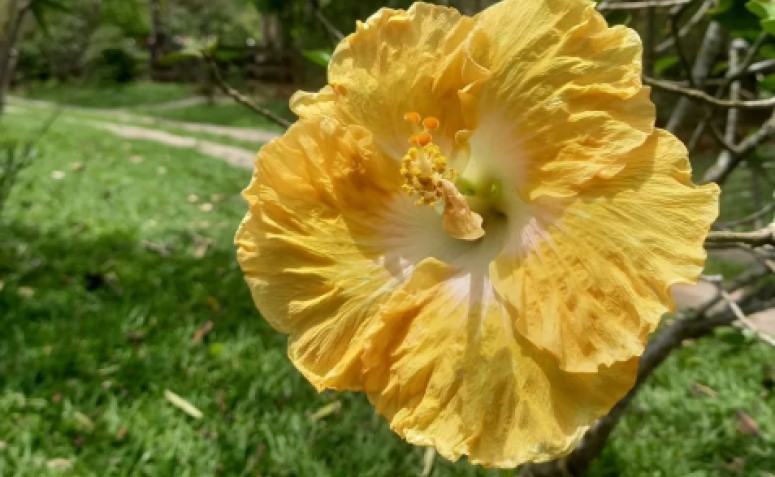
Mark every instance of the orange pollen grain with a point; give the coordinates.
(422, 139)
(431, 123)
(413, 117)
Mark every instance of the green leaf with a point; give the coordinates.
(318, 57)
(618, 17)
(664, 63)
(765, 10)
(767, 85)
(735, 17)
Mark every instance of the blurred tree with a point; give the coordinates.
(157, 36)
(13, 16)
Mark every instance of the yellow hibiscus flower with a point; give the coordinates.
(477, 224)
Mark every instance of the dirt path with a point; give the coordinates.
(115, 121)
(233, 155)
(113, 115)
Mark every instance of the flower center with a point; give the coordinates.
(427, 176)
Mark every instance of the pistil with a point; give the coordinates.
(427, 176)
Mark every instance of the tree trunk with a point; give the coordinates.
(271, 31)
(14, 19)
(156, 38)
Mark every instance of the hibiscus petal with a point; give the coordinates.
(399, 62)
(307, 244)
(564, 98)
(447, 368)
(597, 282)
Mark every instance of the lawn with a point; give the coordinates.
(91, 95)
(114, 257)
(145, 97)
(223, 113)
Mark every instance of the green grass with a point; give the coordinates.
(104, 284)
(225, 114)
(107, 96)
(84, 116)
(142, 97)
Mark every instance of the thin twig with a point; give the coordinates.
(710, 48)
(733, 114)
(742, 68)
(702, 96)
(336, 35)
(675, 20)
(757, 238)
(745, 279)
(241, 98)
(744, 321)
(642, 5)
(763, 66)
(698, 16)
(769, 208)
(740, 151)
(735, 73)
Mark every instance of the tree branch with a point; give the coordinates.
(709, 49)
(241, 98)
(758, 238)
(702, 96)
(671, 338)
(698, 16)
(725, 157)
(739, 152)
(767, 209)
(675, 20)
(642, 5)
(336, 35)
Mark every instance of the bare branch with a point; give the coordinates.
(769, 208)
(742, 69)
(702, 96)
(740, 151)
(689, 325)
(762, 66)
(758, 238)
(748, 277)
(642, 5)
(698, 16)
(669, 339)
(711, 45)
(333, 32)
(733, 114)
(241, 98)
(675, 20)
(744, 321)
(726, 163)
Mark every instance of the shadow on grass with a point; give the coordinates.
(96, 328)
(84, 300)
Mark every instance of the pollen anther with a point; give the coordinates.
(413, 117)
(430, 123)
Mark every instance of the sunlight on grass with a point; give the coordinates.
(110, 96)
(224, 113)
